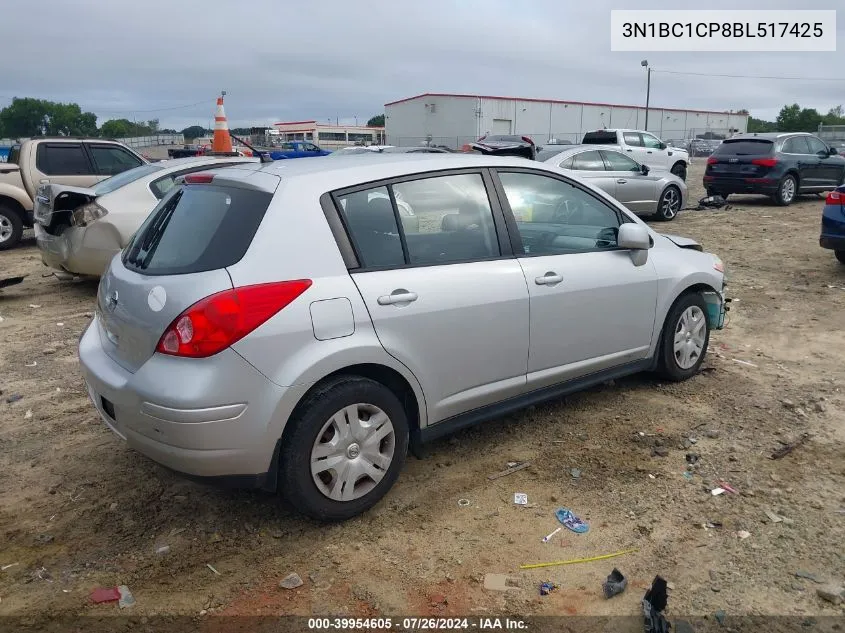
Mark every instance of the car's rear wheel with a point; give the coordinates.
(344, 449)
(680, 170)
(840, 255)
(11, 228)
(787, 190)
(669, 204)
(683, 344)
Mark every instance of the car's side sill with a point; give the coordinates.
(499, 409)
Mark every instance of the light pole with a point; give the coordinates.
(644, 63)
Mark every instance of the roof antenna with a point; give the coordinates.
(263, 156)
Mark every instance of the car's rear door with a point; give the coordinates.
(589, 166)
(449, 300)
(635, 190)
(592, 308)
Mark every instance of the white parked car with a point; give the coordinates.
(644, 148)
(78, 230)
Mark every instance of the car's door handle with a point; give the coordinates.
(397, 296)
(621, 181)
(549, 279)
(629, 150)
(649, 152)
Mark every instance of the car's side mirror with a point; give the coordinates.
(644, 169)
(831, 151)
(633, 236)
(662, 146)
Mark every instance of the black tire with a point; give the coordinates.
(295, 479)
(840, 255)
(782, 198)
(668, 210)
(680, 170)
(11, 225)
(667, 364)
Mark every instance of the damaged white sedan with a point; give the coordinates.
(79, 230)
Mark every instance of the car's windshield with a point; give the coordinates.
(124, 178)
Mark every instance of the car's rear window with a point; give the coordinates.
(197, 228)
(744, 147)
(124, 178)
(599, 138)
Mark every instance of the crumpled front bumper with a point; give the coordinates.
(81, 250)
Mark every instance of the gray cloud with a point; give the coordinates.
(293, 61)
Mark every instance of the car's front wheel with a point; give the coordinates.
(840, 255)
(669, 204)
(11, 228)
(344, 449)
(683, 344)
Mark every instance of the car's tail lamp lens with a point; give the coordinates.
(528, 140)
(835, 198)
(88, 213)
(218, 321)
(712, 161)
(764, 162)
(198, 179)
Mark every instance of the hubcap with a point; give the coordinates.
(671, 203)
(690, 333)
(352, 452)
(787, 191)
(5, 228)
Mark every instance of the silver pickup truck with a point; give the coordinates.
(78, 162)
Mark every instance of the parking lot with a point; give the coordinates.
(78, 510)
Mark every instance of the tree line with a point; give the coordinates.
(794, 118)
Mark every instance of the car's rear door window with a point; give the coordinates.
(588, 161)
(197, 228)
(796, 145)
(62, 159)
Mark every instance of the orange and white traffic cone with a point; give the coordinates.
(222, 141)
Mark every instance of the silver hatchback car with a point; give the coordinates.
(279, 326)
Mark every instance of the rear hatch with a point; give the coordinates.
(178, 257)
(741, 159)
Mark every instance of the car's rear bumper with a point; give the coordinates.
(833, 228)
(215, 419)
(81, 250)
(832, 242)
(763, 186)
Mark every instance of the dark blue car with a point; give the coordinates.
(297, 149)
(833, 223)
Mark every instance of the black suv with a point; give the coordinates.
(780, 165)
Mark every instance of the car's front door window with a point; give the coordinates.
(620, 162)
(651, 142)
(555, 217)
(816, 146)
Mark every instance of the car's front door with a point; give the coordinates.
(447, 299)
(634, 189)
(592, 308)
(829, 168)
(656, 153)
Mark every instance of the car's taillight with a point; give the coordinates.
(764, 162)
(712, 161)
(528, 140)
(218, 321)
(835, 198)
(198, 179)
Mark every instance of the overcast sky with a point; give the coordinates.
(286, 61)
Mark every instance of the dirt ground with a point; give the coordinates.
(78, 510)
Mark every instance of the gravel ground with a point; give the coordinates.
(78, 510)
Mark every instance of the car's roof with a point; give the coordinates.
(766, 135)
(345, 171)
(174, 164)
